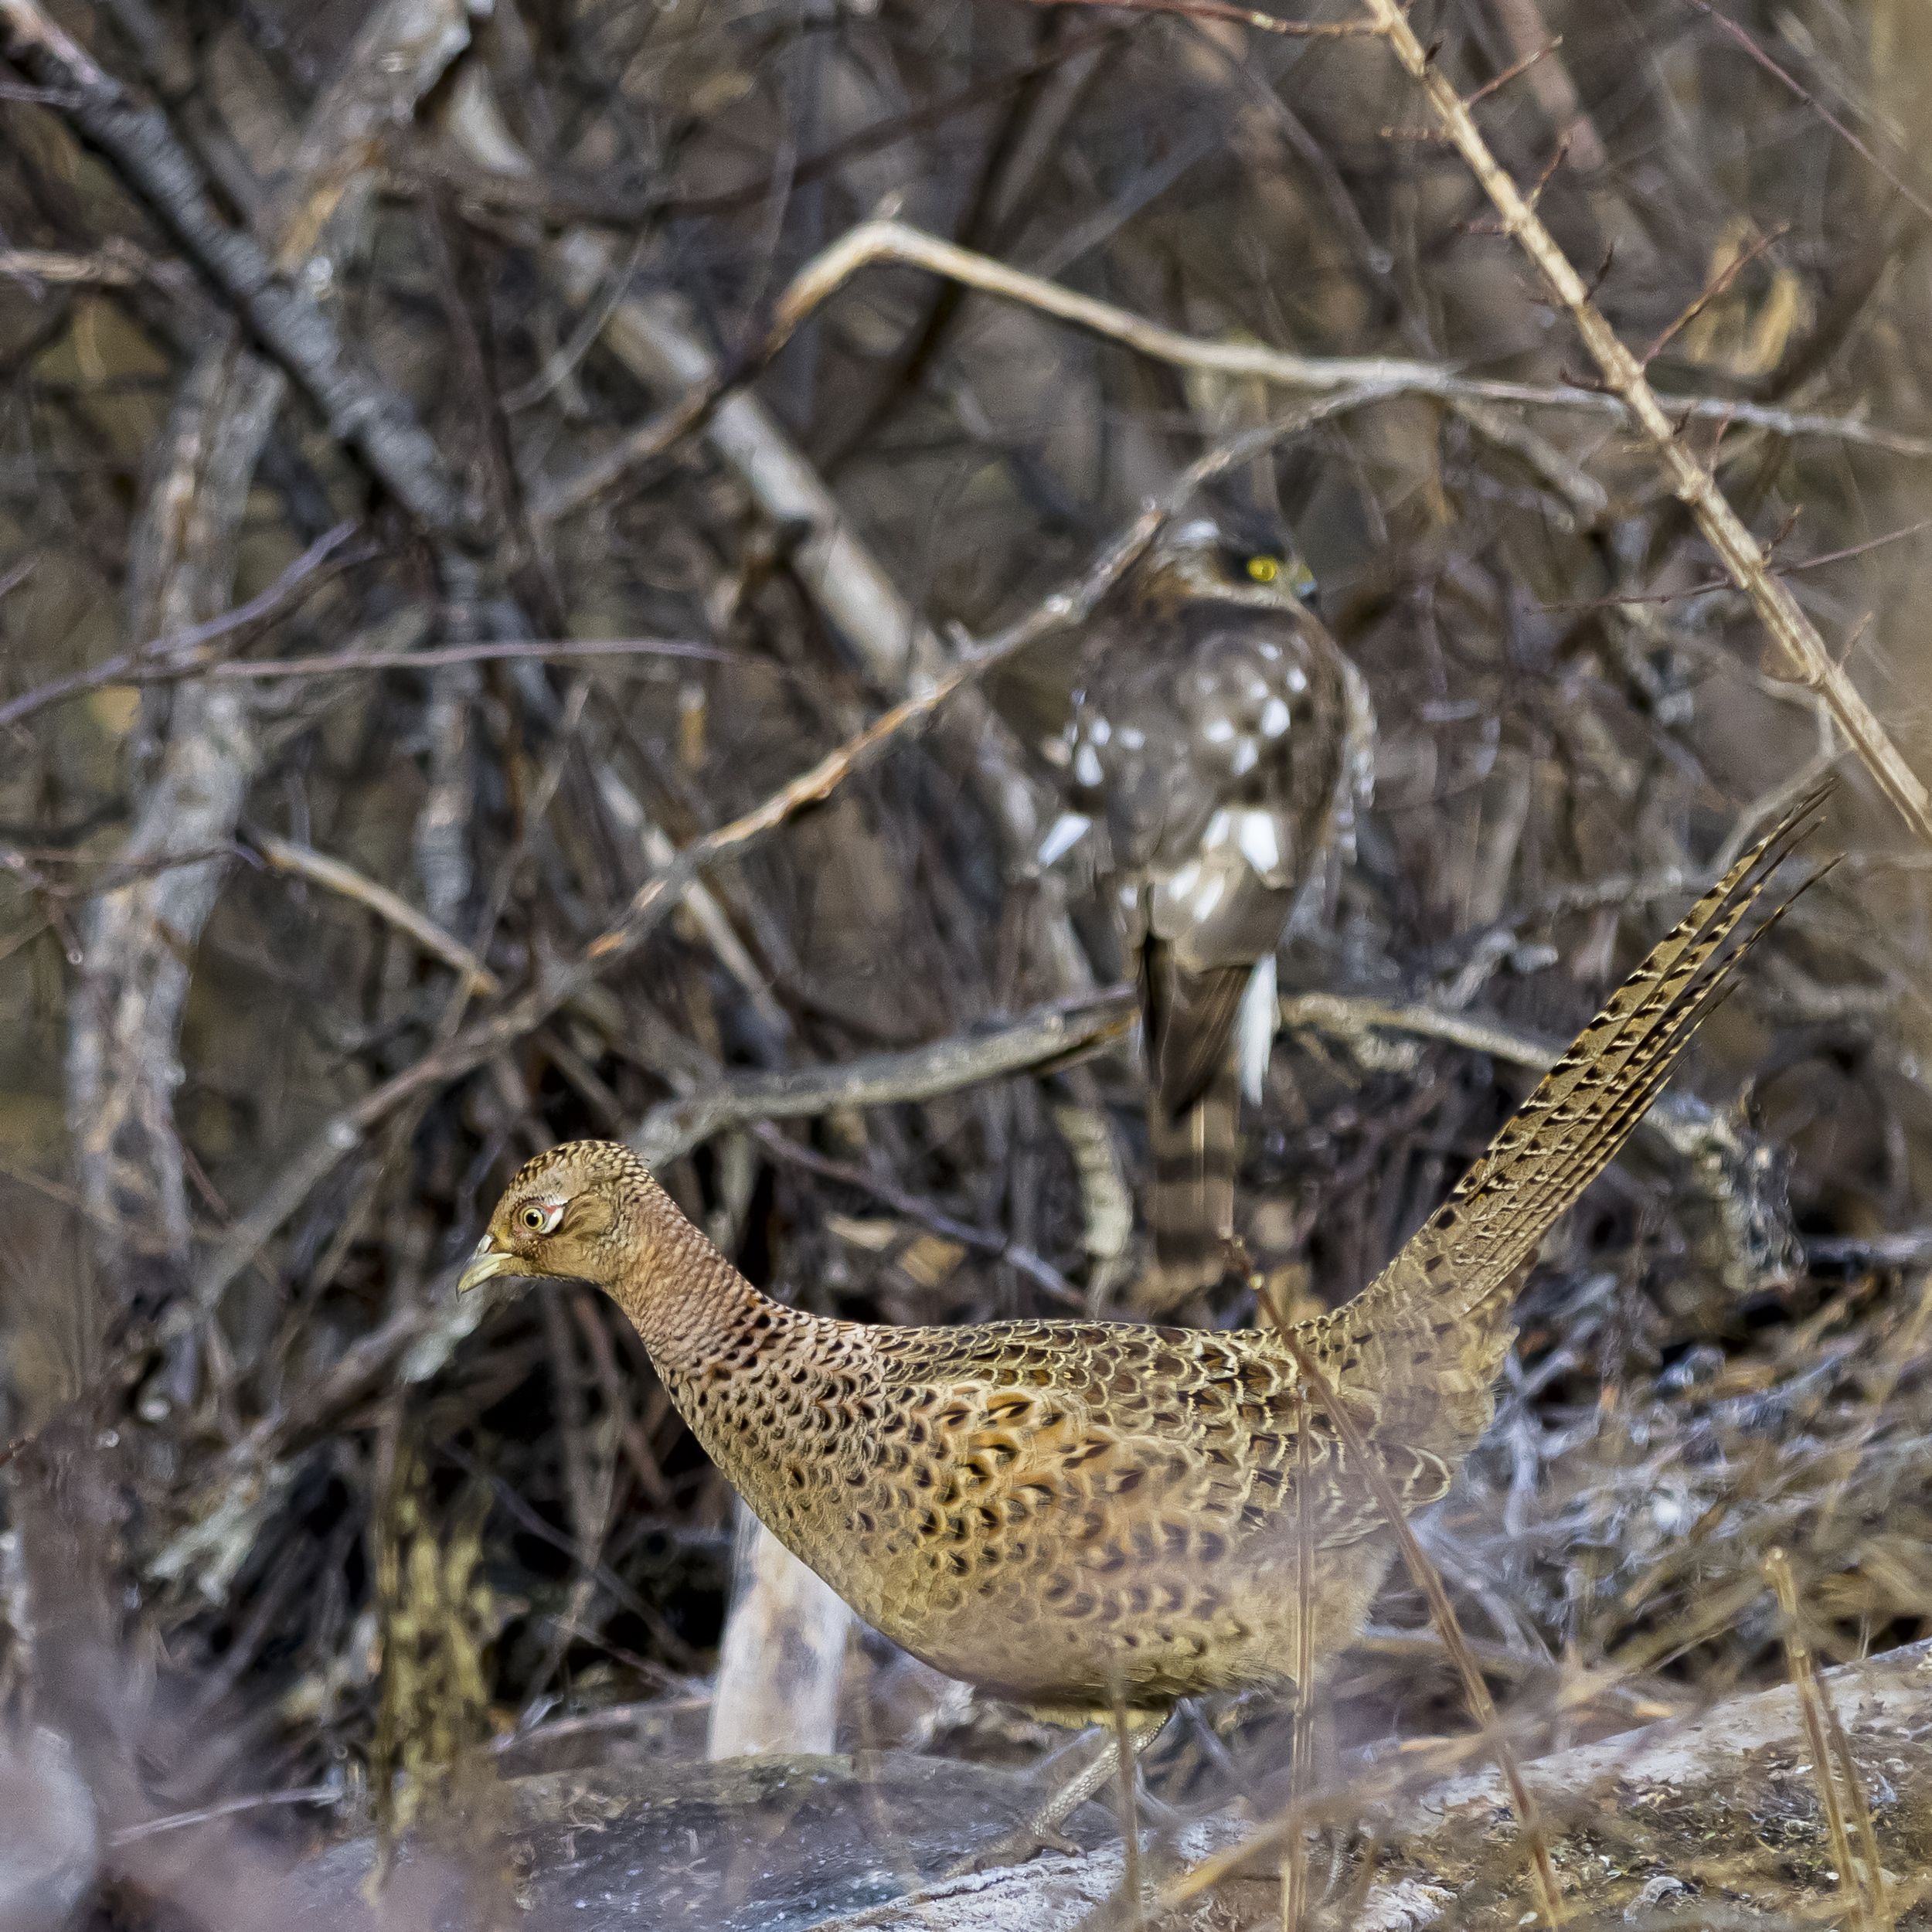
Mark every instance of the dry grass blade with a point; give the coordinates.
(1428, 1579)
(1295, 1856)
(1860, 1881)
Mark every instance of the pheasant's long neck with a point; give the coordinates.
(724, 1352)
(693, 1308)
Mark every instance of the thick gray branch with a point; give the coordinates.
(123, 1064)
(1049, 1033)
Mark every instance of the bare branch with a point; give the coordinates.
(1371, 379)
(302, 862)
(1807, 661)
(185, 653)
(1052, 1032)
(362, 412)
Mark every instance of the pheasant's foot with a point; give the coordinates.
(1025, 1841)
(1041, 1832)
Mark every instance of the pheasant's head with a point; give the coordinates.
(585, 1211)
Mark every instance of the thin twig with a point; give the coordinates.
(539, 650)
(1042, 1274)
(181, 653)
(1808, 663)
(1294, 1853)
(1734, 32)
(1510, 73)
(581, 198)
(1778, 1571)
(230, 1808)
(1884, 1914)
(304, 862)
(1710, 291)
(1234, 16)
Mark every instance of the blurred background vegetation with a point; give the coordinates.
(274, 948)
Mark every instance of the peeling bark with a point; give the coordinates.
(125, 1029)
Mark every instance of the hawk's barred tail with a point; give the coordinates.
(1191, 1206)
(1189, 1019)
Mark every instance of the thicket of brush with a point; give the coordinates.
(254, 1110)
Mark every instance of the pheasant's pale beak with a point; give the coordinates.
(488, 1261)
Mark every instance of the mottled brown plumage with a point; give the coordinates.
(1065, 1512)
(1219, 738)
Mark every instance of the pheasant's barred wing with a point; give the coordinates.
(1427, 1335)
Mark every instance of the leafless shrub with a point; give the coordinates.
(804, 355)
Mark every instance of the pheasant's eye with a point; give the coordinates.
(1265, 569)
(539, 1217)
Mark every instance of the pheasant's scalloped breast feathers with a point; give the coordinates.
(1042, 1506)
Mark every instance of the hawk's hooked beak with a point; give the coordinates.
(488, 1260)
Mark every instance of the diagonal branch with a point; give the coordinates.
(362, 410)
(1806, 660)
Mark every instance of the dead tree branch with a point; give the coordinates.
(1052, 1032)
(1371, 379)
(362, 412)
(1806, 660)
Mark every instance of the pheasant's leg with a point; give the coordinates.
(1041, 1832)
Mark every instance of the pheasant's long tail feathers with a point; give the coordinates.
(1435, 1320)
(1191, 1205)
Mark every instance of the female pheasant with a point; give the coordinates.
(1067, 1514)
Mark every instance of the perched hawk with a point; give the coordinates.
(1218, 742)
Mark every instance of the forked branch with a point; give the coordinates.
(1806, 660)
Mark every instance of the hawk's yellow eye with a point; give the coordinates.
(1265, 569)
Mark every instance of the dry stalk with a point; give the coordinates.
(1897, 1356)
(1428, 1579)
(1126, 1766)
(1887, 1911)
(1294, 1854)
(1807, 661)
(871, 243)
(303, 862)
(1857, 1883)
